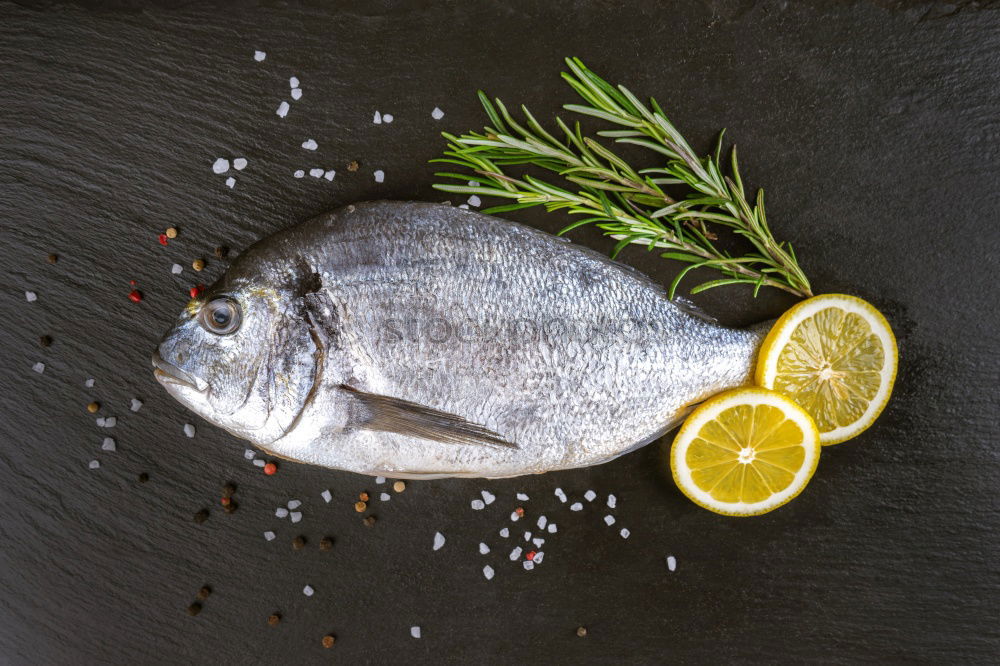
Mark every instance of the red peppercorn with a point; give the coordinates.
(531, 555)
(196, 291)
(519, 511)
(163, 239)
(225, 501)
(270, 468)
(135, 296)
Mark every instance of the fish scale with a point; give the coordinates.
(450, 343)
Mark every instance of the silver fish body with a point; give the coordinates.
(420, 340)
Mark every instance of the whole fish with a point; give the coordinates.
(419, 340)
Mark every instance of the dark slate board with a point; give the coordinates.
(874, 127)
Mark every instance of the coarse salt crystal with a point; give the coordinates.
(576, 506)
(296, 94)
(475, 201)
(505, 533)
(230, 182)
(538, 557)
(625, 533)
(552, 529)
(248, 454)
(527, 536)
(379, 479)
(379, 176)
(188, 429)
(315, 173)
(220, 165)
(259, 55)
(299, 173)
(108, 444)
(377, 119)
(89, 383)
(110, 421)
(514, 517)
(310, 144)
(560, 494)
(438, 540)
(93, 464)
(464, 206)
(269, 535)
(30, 296)
(483, 549)
(385, 497)
(100, 420)
(609, 520)
(330, 174)
(281, 512)
(528, 565)
(612, 500)
(671, 563)
(259, 462)
(516, 553)
(415, 632)
(387, 117)
(477, 505)
(176, 269)
(282, 110)
(488, 572)
(293, 82)
(437, 114)
(522, 497)
(294, 504)
(538, 542)
(589, 495)
(240, 163)
(135, 405)
(488, 497)
(326, 495)
(38, 367)
(541, 522)
(295, 516)
(308, 591)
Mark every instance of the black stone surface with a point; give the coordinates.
(873, 126)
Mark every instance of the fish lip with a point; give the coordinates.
(168, 373)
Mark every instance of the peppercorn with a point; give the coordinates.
(273, 619)
(171, 232)
(326, 543)
(369, 521)
(143, 477)
(298, 543)
(228, 490)
(329, 640)
(221, 251)
(360, 507)
(204, 592)
(399, 486)
(45, 341)
(162, 238)
(230, 508)
(194, 292)
(353, 166)
(93, 407)
(198, 264)
(224, 501)
(581, 631)
(135, 296)
(53, 258)
(270, 468)
(201, 516)
(363, 497)
(194, 608)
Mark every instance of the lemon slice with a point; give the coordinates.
(745, 452)
(834, 355)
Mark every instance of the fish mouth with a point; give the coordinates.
(168, 373)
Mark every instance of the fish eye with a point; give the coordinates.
(220, 316)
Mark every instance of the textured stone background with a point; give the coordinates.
(874, 127)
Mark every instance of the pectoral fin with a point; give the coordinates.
(386, 414)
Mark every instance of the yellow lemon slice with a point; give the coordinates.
(834, 355)
(745, 452)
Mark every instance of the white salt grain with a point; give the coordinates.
(475, 201)
(505, 533)
(516, 553)
(488, 572)
(269, 535)
(437, 114)
(93, 464)
(89, 383)
(377, 119)
(176, 269)
(484, 549)
(576, 506)
(527, 536)
(240, 163)
(387, 118)
(135, 405)
(293, 82)
(488, 497)
(259, 462)
(552, 529)
(308, 591)
(295, 516)
(514, 517)
(38, 367)
(612, 500)
(385, 497)
(528, 565)
(188, 429)
(438, 540)
(541, 522)
(326, 495)
(259, 56)
(330, 174)
(561, 495)
(110, 422)
(248, 454)
(299, 174)
(538, 542)
(282, 110)
(415, 632)
(230, 182)
(380, 479)
(379, 176)
(30, 296)
(221, 165)
(296, 94)
(464, 206)
(100, 421)
(108, 444)
(589, 495)
(310, 144)
(671, 563)
(625, 533)
(294, 504)
(281, 512)
(315, 173)
(538, 557)
(477, 505)
(609, 520)
(522, 497)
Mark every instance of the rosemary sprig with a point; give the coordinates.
(629, 205)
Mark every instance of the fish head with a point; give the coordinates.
(241, 357)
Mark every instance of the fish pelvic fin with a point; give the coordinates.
(387, 414)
